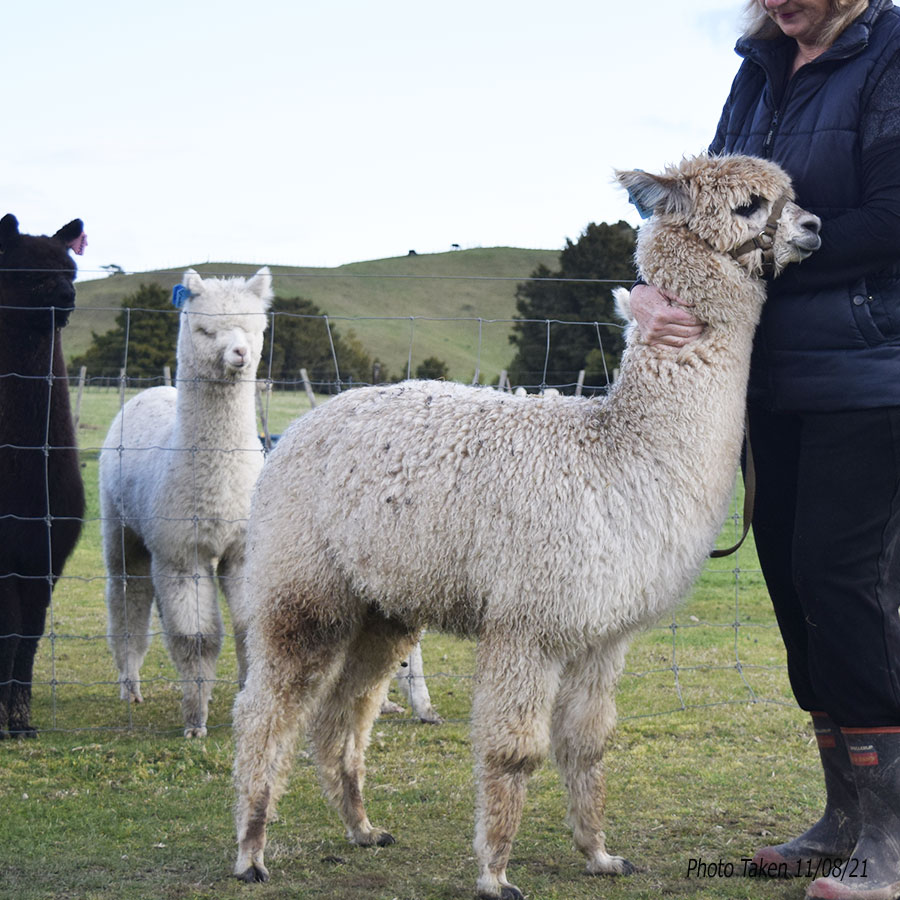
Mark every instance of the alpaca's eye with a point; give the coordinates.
(748, 209)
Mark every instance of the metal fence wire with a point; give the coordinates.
(721, 646)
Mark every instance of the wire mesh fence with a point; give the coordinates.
(721, 646)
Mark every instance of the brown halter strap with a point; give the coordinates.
(765, 240)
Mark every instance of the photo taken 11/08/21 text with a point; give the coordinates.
(745, 867)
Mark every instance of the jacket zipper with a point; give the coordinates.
(770, 137)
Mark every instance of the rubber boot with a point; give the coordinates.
(872, 871)
(835, 834)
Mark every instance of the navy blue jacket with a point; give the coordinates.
(829, 338)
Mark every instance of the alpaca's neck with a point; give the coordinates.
(30, 351)
(693, 400)
(211, 412)
(32, 385)
(715, 364)
(705, 381)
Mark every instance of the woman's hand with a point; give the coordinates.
(662, 318)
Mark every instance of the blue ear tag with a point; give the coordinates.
(643, 211)
(180, 294)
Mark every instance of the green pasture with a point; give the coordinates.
(710, 761)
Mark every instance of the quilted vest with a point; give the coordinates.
(836, 348)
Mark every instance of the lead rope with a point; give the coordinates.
(749, 496)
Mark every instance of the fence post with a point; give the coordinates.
(167, 376)
(262, 408)
(82, 377)
(503, 382)
(121, 388)
(580, 383)
(309, 391)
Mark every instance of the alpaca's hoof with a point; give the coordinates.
(130, 692)
(611, 865)
(511, 892)
(195, 731)
(377, 837)
(21, 732)
(507, 892)
(255, 874)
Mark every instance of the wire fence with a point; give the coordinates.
(720, 647)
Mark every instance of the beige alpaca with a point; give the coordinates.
(552, 529)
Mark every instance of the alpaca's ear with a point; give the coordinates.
(72, 236)
(261, 285)
(666, 194)
(622, 298)
(9, 231)
(192, 281)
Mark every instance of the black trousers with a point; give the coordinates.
(827, 530)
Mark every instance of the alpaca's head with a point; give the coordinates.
(222, 325)
(727, 202)
(37, 275)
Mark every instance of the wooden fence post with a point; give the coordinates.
(82, 377)
(262, 407)
(580, 384)
(309, 391)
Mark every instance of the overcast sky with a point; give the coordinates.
(319, 134)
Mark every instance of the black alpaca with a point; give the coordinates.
(41, 492)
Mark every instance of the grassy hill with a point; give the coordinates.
(456, 306)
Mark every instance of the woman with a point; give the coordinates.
(819, 93)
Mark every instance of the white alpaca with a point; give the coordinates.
(176, 474)
(411, 681)
(549, 528)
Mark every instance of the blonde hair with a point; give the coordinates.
(840, 14)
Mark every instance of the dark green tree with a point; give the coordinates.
(432, 367)
(300, 337)
(142, 342)
(603, 252)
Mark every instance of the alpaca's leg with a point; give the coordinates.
(35, 598)
(129, 603)
(233, 584)
(298, 660)
(411, 680)
(514, 691)
(583, 718)
(10, 629)
(193, 631)
(343, 723)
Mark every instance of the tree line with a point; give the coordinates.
(142, 341)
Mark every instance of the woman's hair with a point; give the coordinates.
(840, 14)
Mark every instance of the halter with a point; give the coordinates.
(765, 240)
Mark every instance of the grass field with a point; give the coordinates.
(710, 760)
